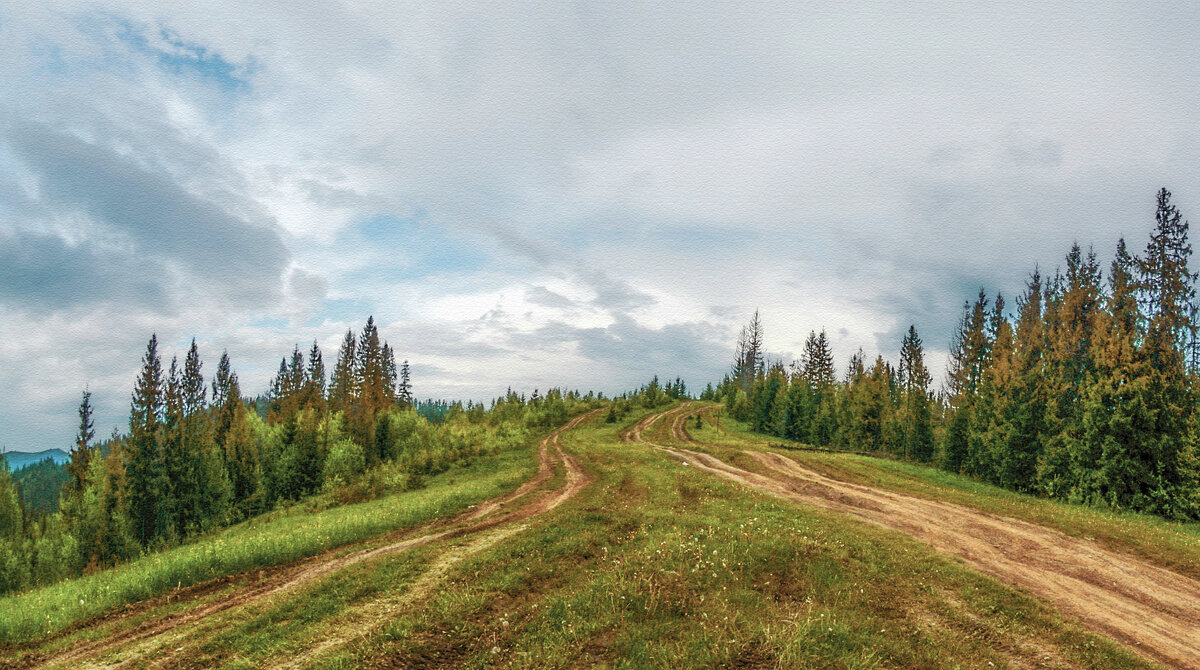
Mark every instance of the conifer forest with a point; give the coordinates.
(1083, 388)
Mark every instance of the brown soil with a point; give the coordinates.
(269, 582)
(1154, 611)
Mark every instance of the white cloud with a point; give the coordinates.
(561, 184)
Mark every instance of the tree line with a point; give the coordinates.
(1086, 392)
(198, 455)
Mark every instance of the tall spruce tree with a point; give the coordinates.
(1027, 400)
(917, 416)
(969, 352)
(176, 461)
(148, 485)
(343, 384)
(822, 378)
(1070, 322)
(1166, 289)
(208, 496)
(1112, 464)
(314, 396)
(404, 394)
(81, 455)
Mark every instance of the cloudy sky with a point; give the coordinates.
(540, 194)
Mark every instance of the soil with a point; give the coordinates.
(256, 585)
(1152, 610)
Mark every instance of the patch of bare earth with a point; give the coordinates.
(152, 638)
(1152, 610)
(365, 620)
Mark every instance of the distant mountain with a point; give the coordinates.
(19, 459)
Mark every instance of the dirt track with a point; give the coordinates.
(1152, 610)
(148, 640)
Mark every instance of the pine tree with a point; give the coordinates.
(1027, 401)
(404, 387)
(798, 410)
(917, 421)
(208, 495)
(1166, 289)
(372, 393)
(314, 396)
(297, 384)
(969, 353)
(279, 391)
(81, 456)
(14, 564)
(1112, 464)
(147, 480)
(390, 375)
(764, 396)
(224, 382)
(343, 384)
(819, 371)
(1070, 321)
(307, 461)
(817, 360)
(176, 462)
(748, 364)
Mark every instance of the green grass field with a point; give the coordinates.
(653, 564)
(279, 537)
(1167, 543)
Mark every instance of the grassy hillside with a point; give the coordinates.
(1171, 544)
(653, 564)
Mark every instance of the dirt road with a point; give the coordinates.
(158, 639)
(1152, 610)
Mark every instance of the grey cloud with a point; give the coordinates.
(241, 262)
(617, 295)
(307, 285)
(45, 273)
(543, 296)
(632, 351)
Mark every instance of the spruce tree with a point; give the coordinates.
(176, 461)
(969, 353)
(81, 455)
(1166, 289)
(1070, 320)
(209, 495)
(1027, 401)
(372, 393)
(297, 381)
(314, 396)
(917, 421)
(343, 384)
(1113, 463)
(146, 473)
(748, 364)
(404, 387)
(14, 563)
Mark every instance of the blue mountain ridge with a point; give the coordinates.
(19, 459)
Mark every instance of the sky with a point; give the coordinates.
(539, 194)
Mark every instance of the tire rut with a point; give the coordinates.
(1152, 610)
(153, 635)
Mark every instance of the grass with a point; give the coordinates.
(653, 565)
(658, 565)
(1170, 544)
(274, 539)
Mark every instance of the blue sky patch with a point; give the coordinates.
(185, 58)
(422, 249)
